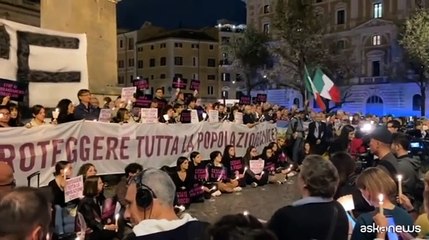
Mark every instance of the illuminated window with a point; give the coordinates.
(376, 40)
(378, 10)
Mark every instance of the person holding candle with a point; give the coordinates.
(234, 165)
(91, 211)
(65, 109)
(39, 114)
(183, 181)
(197, 170)
(379, 190)
(218, 175)
(254, 177)
(317, 215)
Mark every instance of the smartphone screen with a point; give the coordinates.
(391, 234)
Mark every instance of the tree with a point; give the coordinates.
(251, 55)
(415, 40)
(301, 40)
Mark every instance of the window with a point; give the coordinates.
(121, 64)
(341, 44)
(131, 78)
(195, 76)
(163, 61)
(341, 17)
(152, 62)
(224, 94)
(267, 9)
(210, 90)
(195, 45)
(178, 75)
(374, 99)
(152, 47)
(178, 45)
(140, 49)
(417, 102)
(152, 77)
(211, 62)
(266, 28)
(376, 40)
(226, 77)
(238, 77)
(211, 77)
(131, 62)
(121, 80)
(178, 61)
(225, 40)
(131, 44)
(162, 45)
(121, 43)
(378, 10)
(140, 64)
(211, 47)
(375, 68)
(194, 61)
(162, 76)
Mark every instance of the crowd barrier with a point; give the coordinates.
(110, 147)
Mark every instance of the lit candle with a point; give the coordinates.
(178, 84)
(245, 213)
(351, 118)
(380, 203)
(399, 177)
(262, 173)
(213, 188)
(116, 221)
(245, 170)
(56, 113)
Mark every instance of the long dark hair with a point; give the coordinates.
(214, 154)
(60, 166)
(193, 155)
(264, 153)
(63, 107)
(344, 135)
(248, 155)
(15, 122)
(226, 157)
(180, 161)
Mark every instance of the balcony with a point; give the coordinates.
(225, 62)
(371, 80)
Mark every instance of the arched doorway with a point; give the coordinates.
(374, 105)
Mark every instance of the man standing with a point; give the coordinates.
(295, 135)
(381, 139)
(316, 135)
(150, 208)
(85, 110)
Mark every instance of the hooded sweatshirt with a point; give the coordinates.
(409, 168)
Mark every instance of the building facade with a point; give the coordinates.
(366, 34)
(21, 11)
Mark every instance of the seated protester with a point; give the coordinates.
(316, 215)
(197, 170)
(234, 165)
(255, 172)
(346, 168)
(26, 215)
(283, 160)
(66, 111)
(122, 116)
(372, 182)
(91, 212)
(304, 151)
(183, 182)
(240, 227)
(15, 115)
(62, 218)
(150, 209)
(218, 175)
(167, 115)
(38, 112)
(270, 167)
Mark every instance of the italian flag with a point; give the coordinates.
(325, 87)
(312, 89)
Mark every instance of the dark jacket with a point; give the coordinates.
(87, 113)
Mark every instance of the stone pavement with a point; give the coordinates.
(261, 202)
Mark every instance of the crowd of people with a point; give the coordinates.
(323, 149)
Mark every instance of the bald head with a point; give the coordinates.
(7, 182)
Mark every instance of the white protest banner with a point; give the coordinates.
(194, 116)
(110, 147)
(45, 59)
(213, 116)
(105, 115)
(149, 115)
(256, 166)
(73, 188)
(238, 117)
(128, 93)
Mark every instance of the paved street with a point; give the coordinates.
(261, 202)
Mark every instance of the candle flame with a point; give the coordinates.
(381, 197)
(117, 216)
(245, 213)
(399, 177)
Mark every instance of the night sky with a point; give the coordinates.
(179, 13)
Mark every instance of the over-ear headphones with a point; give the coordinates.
(144, 195)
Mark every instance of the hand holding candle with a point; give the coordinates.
(56, 113)
(116, 221)
(380, 203)
(399, 177)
